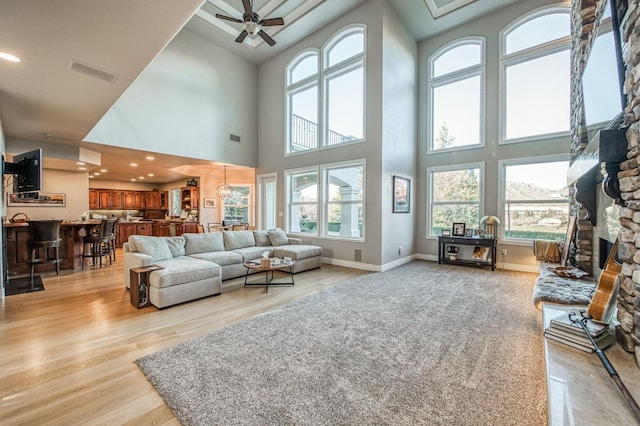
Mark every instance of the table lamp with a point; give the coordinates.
(489, 222)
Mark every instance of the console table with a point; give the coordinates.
(490, 243)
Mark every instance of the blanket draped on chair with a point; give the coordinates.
(546, 250)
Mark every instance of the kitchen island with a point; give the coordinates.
(17, 245)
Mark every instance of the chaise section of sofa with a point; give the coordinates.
(194, 265)
(181, 279)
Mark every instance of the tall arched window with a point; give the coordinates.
(535, 75)
(456, 95)
(325, 93)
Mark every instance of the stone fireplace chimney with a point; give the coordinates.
(588, 252)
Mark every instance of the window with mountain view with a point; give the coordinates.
(535, 197)
(326, 86)
(456, 95)
(456, 196)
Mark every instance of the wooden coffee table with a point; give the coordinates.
(268, 280)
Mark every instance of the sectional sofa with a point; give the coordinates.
(194, 265)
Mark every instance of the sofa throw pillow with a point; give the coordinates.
(277, 237)
(155, 247)
(238, 239)
(262, 238)
(176, 245)
(203, 243)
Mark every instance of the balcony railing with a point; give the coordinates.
(304, 135)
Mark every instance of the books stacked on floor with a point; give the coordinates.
(562, 329)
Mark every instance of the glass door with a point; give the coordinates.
(267, 200)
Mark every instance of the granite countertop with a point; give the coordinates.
(64, 223)
(175, 220)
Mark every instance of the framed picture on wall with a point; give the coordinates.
(401, 195)
(41, 200)
(210, 203)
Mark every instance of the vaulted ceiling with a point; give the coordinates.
(68, 48)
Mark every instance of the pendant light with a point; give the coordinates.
(224, 191)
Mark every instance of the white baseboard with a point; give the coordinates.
(352, 264)
(517, 267)
(407, 259)
(398, 262)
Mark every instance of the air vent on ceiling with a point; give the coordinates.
(234, 138)
(92, 71)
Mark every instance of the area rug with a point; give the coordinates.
(23, 285)
(420, 344)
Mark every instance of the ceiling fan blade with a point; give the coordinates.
(242, 36)
(266, 38)
(247, 6)
(228, 18)
(271, 22)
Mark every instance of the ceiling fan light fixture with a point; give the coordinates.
(251, 27)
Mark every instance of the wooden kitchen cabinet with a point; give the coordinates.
(189, 228)
(161, 228)
(111, 199)
(157, 200)
(118, 199)
(127, 229)
(134, 200)
(94, 199)
(189, 196)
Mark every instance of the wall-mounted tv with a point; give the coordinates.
(26, 169)
(603, 75)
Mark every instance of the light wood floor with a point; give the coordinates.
(67, 353)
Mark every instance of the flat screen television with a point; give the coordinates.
(26, 169)
(603, 75)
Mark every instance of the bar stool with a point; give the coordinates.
(100, 242)
(44, 234)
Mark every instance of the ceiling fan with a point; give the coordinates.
(253, 24)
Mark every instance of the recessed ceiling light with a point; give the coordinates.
(141, 177)
(133, 180)
(150, 175)
(96, 174)
(90, 177)
(9, 57)
(134, 164)
(80, 163)
(103, 170)
(82, 168)
(150, 157)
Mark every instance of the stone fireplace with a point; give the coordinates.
(593, 242)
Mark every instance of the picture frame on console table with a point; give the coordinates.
(458, 229)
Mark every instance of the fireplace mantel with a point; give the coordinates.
(607, 149)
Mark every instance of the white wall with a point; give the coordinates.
(186, 103)
(399, 135)
(271, 113)
(74, 185)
